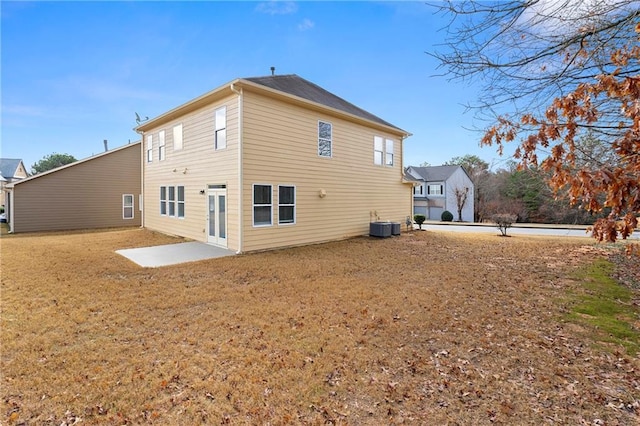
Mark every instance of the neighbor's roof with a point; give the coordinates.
(291, 86)
(435, 173)
(75, 163)
(9, 166)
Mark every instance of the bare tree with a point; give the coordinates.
(461, 199)
(478, 171)
(553, 72)
(524, 53)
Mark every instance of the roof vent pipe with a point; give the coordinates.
(273, 70)
(106, 148)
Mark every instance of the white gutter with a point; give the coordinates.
(143, 157)
(240, 171)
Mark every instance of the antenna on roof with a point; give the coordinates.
(273, 70)
(139, 120)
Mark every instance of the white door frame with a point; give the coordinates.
(217, 228)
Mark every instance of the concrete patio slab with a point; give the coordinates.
(173, 254)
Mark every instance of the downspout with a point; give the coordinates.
(240, 173)
(143, 159)
(9, 200)
(413, 185)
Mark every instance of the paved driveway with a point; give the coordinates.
(523, 229)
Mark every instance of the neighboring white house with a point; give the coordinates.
(11, 170)
(435, 191)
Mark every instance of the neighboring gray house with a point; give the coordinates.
(435, 191)
(11, 170)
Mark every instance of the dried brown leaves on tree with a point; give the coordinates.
(611, 105)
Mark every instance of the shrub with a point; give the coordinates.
(419, 219)
(446, 216)
(503, 222)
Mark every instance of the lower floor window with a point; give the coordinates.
(262, 212)
(163, 200)
(172, 202)
(286, 204)
(127, 206)
(180, 201)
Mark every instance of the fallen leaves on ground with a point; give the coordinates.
(425, 328)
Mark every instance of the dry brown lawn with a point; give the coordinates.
(426, 328)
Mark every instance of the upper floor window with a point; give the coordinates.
(388, 153)
(418, 190)
(161, 145)
(149, 148)
(286, 204)
(177, 137)
(221, 128)
(262, 205)
(382, 151)
(378, 152)
(324, 139)
(435, 190)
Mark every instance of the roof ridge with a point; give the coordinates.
(319, 94)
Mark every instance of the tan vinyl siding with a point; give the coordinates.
(195, 166)
(281, 147)
(84, 195)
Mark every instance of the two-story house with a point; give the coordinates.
(267, 162)
(436, 188)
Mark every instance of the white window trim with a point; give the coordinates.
(175, 202)
(164, 201)
(324, 139)
(183, 202)
(220, 127)
(171, 202)
(161, 145)
(388, 155)
(124, 206)
(288, 205)
(441, 185)
(377, 139)
(149, 139)
(178, 130)
(253, 206)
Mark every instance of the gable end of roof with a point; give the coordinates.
(295, 85)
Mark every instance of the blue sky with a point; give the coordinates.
(75, 73)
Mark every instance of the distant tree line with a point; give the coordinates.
(523, 193)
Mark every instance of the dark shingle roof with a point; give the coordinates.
(435, 173)
(298, 86)
(8, 167)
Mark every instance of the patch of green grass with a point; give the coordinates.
(604, 307)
